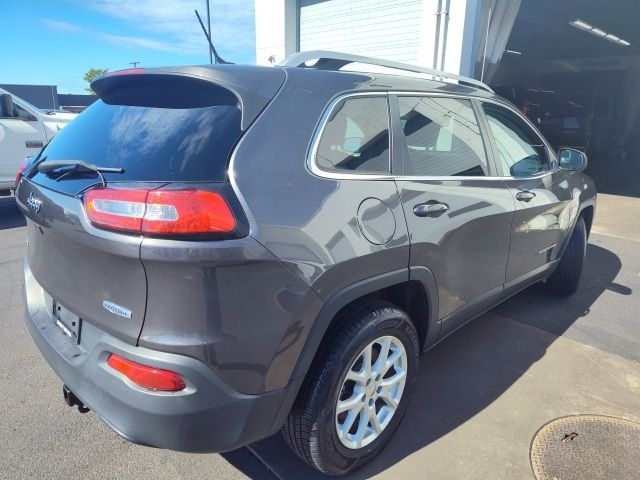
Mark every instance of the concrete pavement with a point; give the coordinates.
(481, 397)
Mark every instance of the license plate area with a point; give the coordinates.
(67, 322)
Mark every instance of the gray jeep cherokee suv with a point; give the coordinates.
(218, 253)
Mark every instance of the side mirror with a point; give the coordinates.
(572, 159)
(6, 105)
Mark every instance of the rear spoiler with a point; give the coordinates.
(251, 88)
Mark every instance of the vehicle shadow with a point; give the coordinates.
(471, 369)
(10, 215)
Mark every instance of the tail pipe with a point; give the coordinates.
(71, 400)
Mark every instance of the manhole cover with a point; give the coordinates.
(587, 447)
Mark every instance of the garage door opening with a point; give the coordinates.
(574, 68)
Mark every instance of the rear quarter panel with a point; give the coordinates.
(308, 222)
(229, 303)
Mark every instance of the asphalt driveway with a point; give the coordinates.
(480, 398)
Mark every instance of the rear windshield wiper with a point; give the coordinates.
(78, 166)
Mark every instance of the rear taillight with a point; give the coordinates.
(187, 211)
(159, 212)
(21, 168)
(146, 376)
(116, 209)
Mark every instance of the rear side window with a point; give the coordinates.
(175, 130)
(522, 152)
(442, 137)
(355, 138)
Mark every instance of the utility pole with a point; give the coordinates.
(135, 64)
(209, 31)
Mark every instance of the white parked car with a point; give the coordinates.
(24, 130)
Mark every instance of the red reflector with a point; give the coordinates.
(145, 376)
(21, 168)
(159, 212)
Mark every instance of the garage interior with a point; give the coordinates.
(574, 68)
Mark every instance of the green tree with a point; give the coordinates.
(91, 75)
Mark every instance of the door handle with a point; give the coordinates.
(430, 209)
(525, 195)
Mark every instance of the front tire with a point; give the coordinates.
(566, 278)
(356, 394)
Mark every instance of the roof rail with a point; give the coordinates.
(335, 60)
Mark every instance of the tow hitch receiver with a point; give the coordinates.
(71, 400)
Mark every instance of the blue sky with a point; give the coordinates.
(56, 42)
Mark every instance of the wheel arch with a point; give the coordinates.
(412, 289)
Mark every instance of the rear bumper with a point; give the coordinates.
(207, 416)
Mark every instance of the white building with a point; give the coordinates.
(442, 34)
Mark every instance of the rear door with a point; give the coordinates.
(79, 266)
(21, 135)
(541, 194)
(165, 132)
(458, 214)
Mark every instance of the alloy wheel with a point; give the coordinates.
(371, 392)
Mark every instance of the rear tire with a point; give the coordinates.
(312, 429)
(566, 278)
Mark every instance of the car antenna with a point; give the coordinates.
(216, 57)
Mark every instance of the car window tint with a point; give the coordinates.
(521, 151)
(181, 130)
(19, 112)
(442, 137)
(356, 137)
(16, 112)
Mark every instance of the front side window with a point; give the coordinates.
(355, 139)
(521, 151)
(442, 137)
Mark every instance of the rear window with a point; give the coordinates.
(169, 131)
(355, 139)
